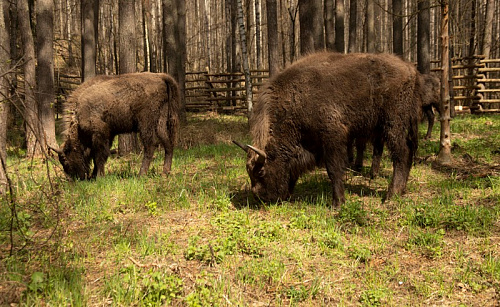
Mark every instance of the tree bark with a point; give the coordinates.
(45, 71)
(258, 41)
(127, 64)
(90, 11)
(311, 34)
(244, 54)
(4, 91)
(272, 36)
(397, 27)
(423, 37)
(329, 25)
(353, 15)
(488, 31)
(370, 26)
(339, 26)
(32, 127)
(444, 155)
(181, 54)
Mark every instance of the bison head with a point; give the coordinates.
(270, 176)
(74, 157)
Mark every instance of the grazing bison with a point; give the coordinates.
(429, 99)
(106, 106)
(305, 116)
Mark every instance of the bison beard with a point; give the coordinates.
(106, 106)
(306, 115)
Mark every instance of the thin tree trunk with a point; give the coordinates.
(272, 36)
(258, 41)
(397, 27)
(90, 11)
(423, 37)
(370, 26)
(30, 106)
(4, 91)
(353, 15)
(444, 155)
(292, 12)
(45, 71)
(488, 31)
(127, 64)
(246, 68)
(329, 25)
(307, 14)
(181, 54)
(339, 26)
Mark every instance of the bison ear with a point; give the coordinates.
(261, 154)
(244, 147)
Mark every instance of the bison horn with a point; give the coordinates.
(56, 150)
(244, 147)
(262, 155)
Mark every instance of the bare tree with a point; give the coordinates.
(444, 155)
(339, 26)
(370, 26)
(4, 90)
(423, 37)
(397, 27)
(30, 106)
(90, 11)
(272, 36)
(353, 15)
(329, 25)
(244, 54)
(488, 32)
(126, 16)
(311, 25)
(45, 71)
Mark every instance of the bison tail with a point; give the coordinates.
(168, 123)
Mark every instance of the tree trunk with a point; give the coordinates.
(30, 106)
(244, 54)
(423, 37)
(444, 155)
(329, 25)
(45, 71)
(311, 34)
(272, 36)
(90, 11)
(292, 12)
(258, 41)
(488, 31)
(353, 15)
(4, 91)
(126, 31)
(370, 27)
(181, 54)
(397, 27)
(339, 26)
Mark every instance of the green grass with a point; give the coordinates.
(199, 238)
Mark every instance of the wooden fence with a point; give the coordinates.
(220, 91)
(475, 80)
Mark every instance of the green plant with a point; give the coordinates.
(430, 243)
(352, 212)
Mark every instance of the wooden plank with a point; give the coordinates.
(489, 100)
(489, 69)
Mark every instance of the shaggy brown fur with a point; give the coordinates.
(106, 106)
(305, 116)
(429, 97)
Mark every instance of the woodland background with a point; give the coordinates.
(45, 41)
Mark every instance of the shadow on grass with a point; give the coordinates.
(315, 190)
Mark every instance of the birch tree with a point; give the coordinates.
(244, 54)
(444, 155)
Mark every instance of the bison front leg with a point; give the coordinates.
(148, 157)
(378, 148)
(429, 113)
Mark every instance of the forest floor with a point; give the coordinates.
(199, 238)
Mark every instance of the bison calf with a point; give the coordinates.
(106, 106)
(305, 116)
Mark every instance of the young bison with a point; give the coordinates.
(305, 116)
(106, 106)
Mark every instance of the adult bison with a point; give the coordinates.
(105, 106)
(429, 99)
(305, 116)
